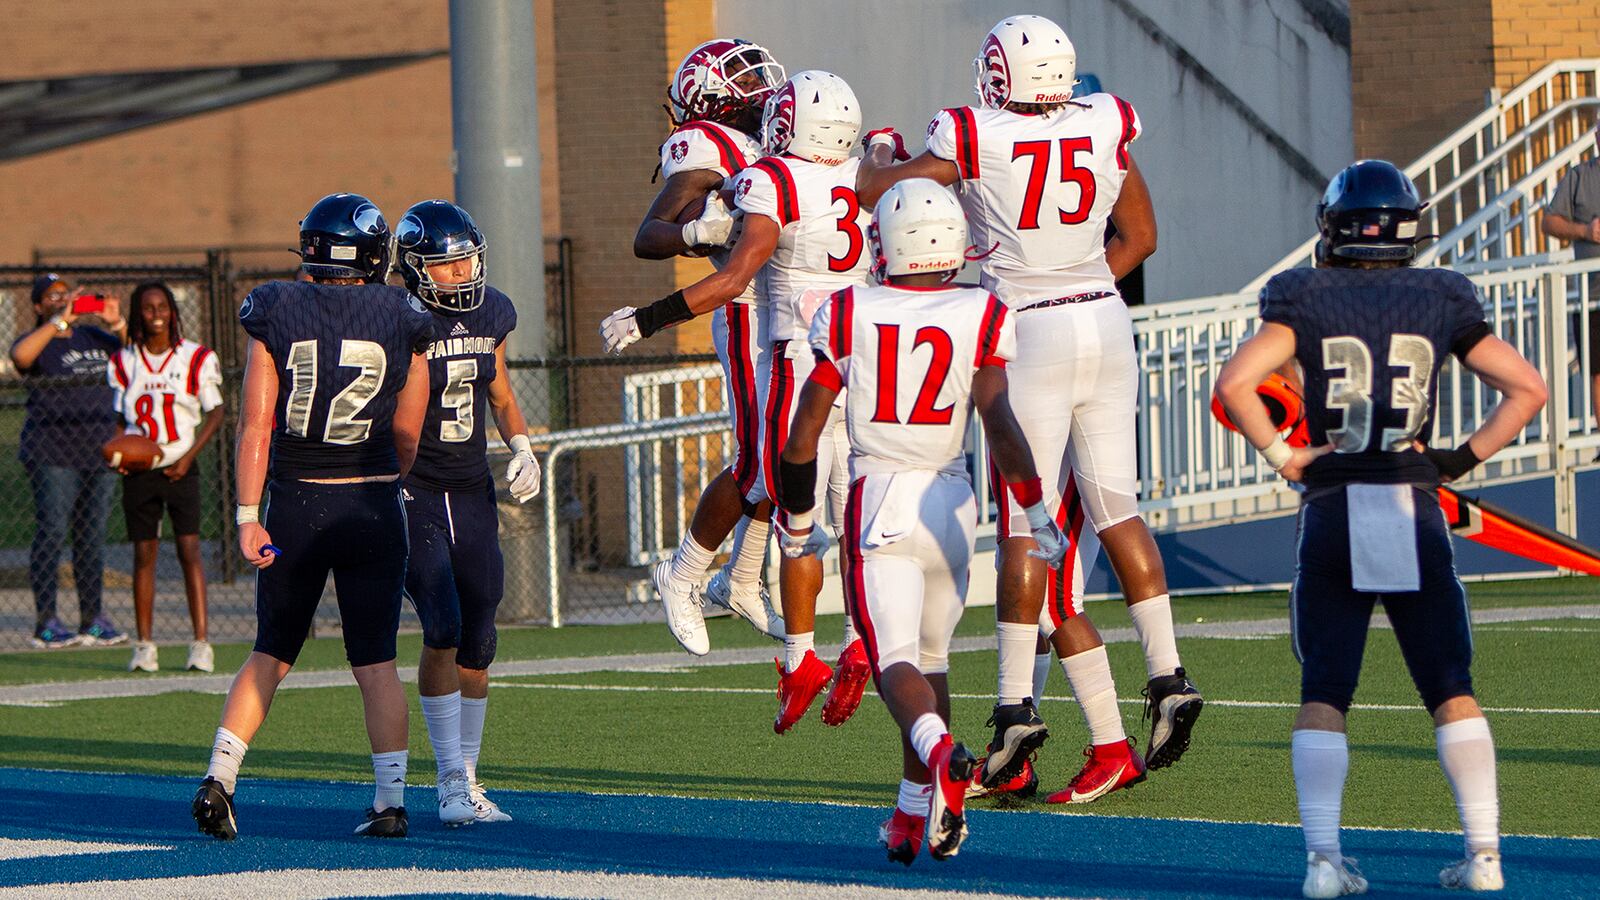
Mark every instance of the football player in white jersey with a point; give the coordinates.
(914, 356)
(169, 389)
(715, 102)
(1040, 173)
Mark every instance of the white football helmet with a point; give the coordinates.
(917, 227)
(814, 116)
(1025, 59)
(719, 77)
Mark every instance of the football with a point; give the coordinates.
(692, 211)
(132, 452)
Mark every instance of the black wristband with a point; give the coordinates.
(797, 485)
(669, 310)
(1455, 463)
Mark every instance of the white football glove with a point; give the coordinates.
(523, 471)
(714, 228)
(1048, 535)
(619, 330)
(800, 538)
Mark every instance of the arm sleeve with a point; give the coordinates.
(114, 378)
(755, 192)
(692, 150)
(508, 322)
(824, 345)
(210, 383)
(1275, 303)
(1564, 202)
(418, 326)
(941, 140)
(1468, 325)
(1005, 348)
(254, 314)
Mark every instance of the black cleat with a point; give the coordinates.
(1172, 704)
(213, 810)
(1018, 732)
(391, 823)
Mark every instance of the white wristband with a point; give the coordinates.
(1277, 454)
(243, 514)
(520, 443)
(882, 139)
(1038, 516)
(793, 522)
(691, 233)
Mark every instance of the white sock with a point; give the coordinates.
(692, 560)
(1466, 753)
(227, 752)
(1321, 761)
(795, 647)
(850, 636)
(473, 711)
(1089, 673)
(914, 798)
(1041, 675)
(749, 553)
(389, 780)
(444, 730)
(925, 734)
(1016, 660)
(1152, 622)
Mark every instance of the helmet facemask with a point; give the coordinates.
(451, 298)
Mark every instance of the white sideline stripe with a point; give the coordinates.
(295, 884)
(1125, 701)
(110, 688)
(20, 848)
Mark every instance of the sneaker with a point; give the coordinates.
(754, 605)
(213, 810)
(484, 809)
(53, 635)
(684, 618)
(1025, 785)
(1324, 879)
(1110, 767)
(1018, 732)
(952, 767)
(1478, 872)
(391, 823)
(101, 633)
(849, 683)
(455, 798)
(797, 689)
(144, 657)
(201, 659)
(901, 835)
(1172, 704)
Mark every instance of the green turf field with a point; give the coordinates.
(706, 731)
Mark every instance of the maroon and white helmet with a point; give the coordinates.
(1025, 59)
(918, 228)
(814, 116)
(720, 75)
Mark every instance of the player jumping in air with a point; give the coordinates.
(913, 357)
(1370, 336)
(335, 390)
(1040, 173)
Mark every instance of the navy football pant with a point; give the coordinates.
(456, 575)
(1329, 618)
(355, 531)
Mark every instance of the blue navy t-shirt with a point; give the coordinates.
(66, 424)
(461, 364)
(342, 353)
(1371, 342)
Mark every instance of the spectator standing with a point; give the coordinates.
(60, 448)
(1573, 215)
(169, 389)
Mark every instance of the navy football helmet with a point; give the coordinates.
(345, 236)
(1370, 211)
(434, 232)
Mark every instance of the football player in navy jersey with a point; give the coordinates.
(1370, 336)
(322, 449)
(456, 576)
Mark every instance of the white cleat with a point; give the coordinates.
(455, 799)
(1479, 872)
(201, 659)
(754, 605)
(684, 618)
(144, 657)
(487, 810)
(1324, 879)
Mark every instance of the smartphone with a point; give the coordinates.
(88, 305)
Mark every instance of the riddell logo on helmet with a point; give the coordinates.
(1052, 98)
(937, 264)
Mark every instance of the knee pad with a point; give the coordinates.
(477, 649)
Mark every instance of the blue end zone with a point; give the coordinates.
(308, 824)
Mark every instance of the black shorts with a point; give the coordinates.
(455, 576)
(145, 495)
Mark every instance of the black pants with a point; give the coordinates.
(456, 575)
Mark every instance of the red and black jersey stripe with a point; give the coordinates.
(732, 159)
(989, 334)
(966, 141)
(780, 399)
(1058, 587)
(788, 197)
(746, 416)
(855, 582)
(839, 339)
(1126, 109)
(195, 363)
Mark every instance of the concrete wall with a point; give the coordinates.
(1228, 203)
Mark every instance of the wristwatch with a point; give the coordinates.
(60, 324)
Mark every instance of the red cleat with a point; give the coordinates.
(901, 835)
(1025, 785)
(952, 767)
(849, 683)
(797, 689)
(1110, 767)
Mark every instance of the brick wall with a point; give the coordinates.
(1530, 33)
